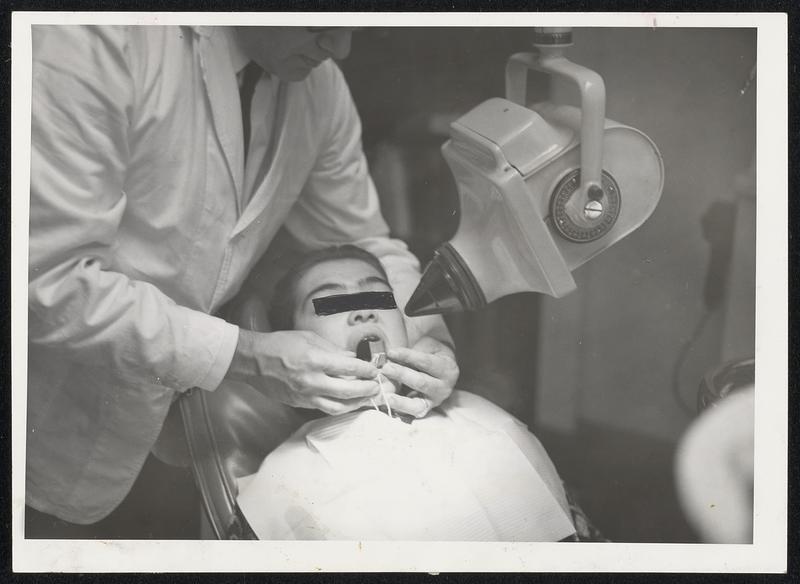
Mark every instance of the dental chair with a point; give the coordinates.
(229, 432)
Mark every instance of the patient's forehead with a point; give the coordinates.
(345, 272)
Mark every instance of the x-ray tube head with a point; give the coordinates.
(542, 189)
(525, 224)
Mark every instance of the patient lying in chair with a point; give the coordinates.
(468, 471)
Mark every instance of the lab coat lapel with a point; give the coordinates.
(221, 87)
(278, 159)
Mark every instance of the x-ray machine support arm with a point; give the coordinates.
(550, 59)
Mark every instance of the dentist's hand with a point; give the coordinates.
(429, 368)
(301, 369)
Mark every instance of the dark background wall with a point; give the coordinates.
(621, 360)
(607, 377)
(409, 84)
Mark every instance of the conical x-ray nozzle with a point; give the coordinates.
(446, 286)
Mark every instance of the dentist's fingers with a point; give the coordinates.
(342, 389)
(298, 368)
(438, 365)
(334, 361)
(429, 390)
(345, 366)
(419, 407)
(336, 407)
(414, 379)
(429, 368)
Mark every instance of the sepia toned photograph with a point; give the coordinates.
(306, 280)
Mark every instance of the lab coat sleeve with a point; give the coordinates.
(339, 203)
(79, 306)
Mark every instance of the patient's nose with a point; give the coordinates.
(362, 316)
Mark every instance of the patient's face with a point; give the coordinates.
(347, 329)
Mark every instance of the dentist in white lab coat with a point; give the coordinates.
(147, 212)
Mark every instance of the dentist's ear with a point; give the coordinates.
(336, 42)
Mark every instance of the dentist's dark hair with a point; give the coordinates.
(284, 302)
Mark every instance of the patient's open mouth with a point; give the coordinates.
(369, 346)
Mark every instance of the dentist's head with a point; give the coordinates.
(291, 52)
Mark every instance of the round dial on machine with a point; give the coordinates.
(584, 221)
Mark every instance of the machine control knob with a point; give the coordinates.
(588, 220)
(593, 209)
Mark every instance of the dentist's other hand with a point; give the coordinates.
(429, 368)
(301, 369)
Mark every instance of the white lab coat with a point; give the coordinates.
(140, 229)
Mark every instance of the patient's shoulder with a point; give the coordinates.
(478, 409)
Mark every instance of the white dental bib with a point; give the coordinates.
(466, 472)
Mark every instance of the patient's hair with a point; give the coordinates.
(284, 302)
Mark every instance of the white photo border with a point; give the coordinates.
(769, 548)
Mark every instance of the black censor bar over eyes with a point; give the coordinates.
(347, 302)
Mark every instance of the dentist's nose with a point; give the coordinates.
(336, 43)
(361, 317)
